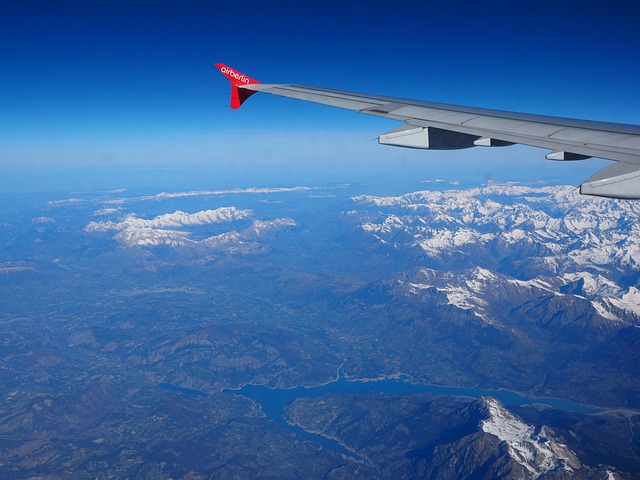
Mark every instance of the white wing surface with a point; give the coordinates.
(438, 126)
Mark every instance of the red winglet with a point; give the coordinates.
(237, 79)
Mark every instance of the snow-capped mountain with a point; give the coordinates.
(172, 220)
(539, 453)
(172, 229)
(504, 446)
(493, 296)
(180, 194)
(525, 284)
(511, 227)
(539, 250)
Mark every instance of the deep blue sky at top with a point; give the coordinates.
(113, 82)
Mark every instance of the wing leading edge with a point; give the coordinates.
(437, 126)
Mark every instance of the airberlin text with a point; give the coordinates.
(234, 74)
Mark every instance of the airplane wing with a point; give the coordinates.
(439, 126)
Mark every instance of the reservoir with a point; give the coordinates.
(274, 401)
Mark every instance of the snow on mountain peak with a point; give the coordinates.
(261, 228)
(490, 295)
(538, 453)
(151, 237)
(629, 301)
(163, 229)
(552, 225)
(173, 220)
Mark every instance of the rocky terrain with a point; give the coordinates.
(129, 319)
(406, 437)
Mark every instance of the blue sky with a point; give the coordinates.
(103, 83)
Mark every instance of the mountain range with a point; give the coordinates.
(132, 321)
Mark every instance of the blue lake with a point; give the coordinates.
(274, 401)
